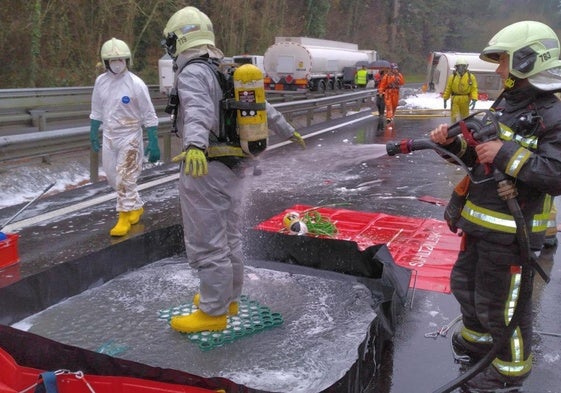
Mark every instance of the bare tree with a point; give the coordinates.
(35, 46)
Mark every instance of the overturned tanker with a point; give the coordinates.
(28, 355)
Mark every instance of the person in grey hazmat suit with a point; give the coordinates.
(211, 179)
(121, 106)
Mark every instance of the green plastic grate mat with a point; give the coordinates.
(252, 318)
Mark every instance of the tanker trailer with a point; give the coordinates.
(301, 63)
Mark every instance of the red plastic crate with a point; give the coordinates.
(9, 250)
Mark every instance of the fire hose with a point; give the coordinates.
(483, 126)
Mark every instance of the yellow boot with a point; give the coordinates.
(198, 321)
(232, 308)
(134, 215)
(123, 225)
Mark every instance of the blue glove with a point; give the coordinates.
(94, 135)
(473, 104)
(445, 104)
(152, 150)
(195, 161)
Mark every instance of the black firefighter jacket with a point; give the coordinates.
(530, 156)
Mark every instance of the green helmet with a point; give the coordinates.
(187, 28)
(532, 47)
(115, 49)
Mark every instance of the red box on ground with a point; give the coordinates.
(9, 250)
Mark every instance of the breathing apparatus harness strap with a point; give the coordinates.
(173, 100)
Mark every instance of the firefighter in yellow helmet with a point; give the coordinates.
(487, 276)
(461, 88)
(121, 106)
(211, 183)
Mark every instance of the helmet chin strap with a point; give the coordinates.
(510, 82)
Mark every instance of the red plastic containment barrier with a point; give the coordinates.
(423, 245)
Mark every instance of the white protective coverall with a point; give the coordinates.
(122, 103)
(211, 205)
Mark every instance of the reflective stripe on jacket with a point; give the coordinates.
(502, 222)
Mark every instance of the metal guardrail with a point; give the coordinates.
(45, 143)
(36, 107)
(39, 108)
(17, 99)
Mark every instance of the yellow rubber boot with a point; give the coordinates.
(123, 225)
(134, 215)
(198, 321)
(233, 308)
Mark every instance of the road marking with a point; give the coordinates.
(81, 205)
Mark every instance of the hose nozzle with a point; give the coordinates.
(406, 146)
(482, 124)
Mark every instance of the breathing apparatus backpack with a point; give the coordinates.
(243, 116)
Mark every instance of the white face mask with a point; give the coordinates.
(117, 66)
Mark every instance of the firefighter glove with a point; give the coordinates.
(296, 137)
(473, 104)
(152, 150)
(194, 159)
(445, 104)
(507, 190)
(94, 135)
(453, 210)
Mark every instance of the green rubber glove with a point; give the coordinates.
(195, 161)
(94, 135)
(152, 150)
(445, 104)
(296, 137)
(473, 104)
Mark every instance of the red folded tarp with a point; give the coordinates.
(424, 245)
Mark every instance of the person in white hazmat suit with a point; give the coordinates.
(211, 183)
(121, 105)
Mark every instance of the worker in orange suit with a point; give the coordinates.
(389, 89)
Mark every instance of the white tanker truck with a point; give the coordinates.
(303, 63)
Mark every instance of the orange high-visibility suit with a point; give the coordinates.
(389, 88)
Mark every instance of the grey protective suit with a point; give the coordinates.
(123, 104)
(211, 205)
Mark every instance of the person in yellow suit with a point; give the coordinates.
(461, 87)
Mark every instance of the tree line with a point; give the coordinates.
(55, 43)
